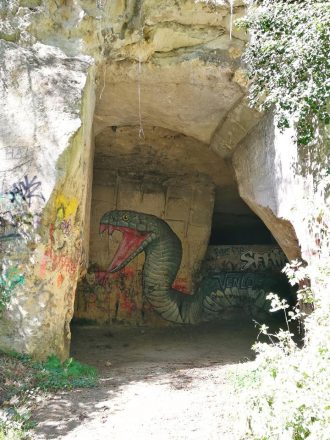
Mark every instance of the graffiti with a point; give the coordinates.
(16, 152)
(16, 218)
(256, 260)
(10, 278)
(26, 190)
(163, 253)
(225, 302)
(65, 208)
(243, 281)
(59, 280)
(241, 289)
(108, 296)
(53, 261)
(17, 234)
(65, 227)
(115, 294)
(14, 158)
(13, 225)
(251, 258)
(224, 251)
(62, 255)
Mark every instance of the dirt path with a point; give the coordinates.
(169, 383)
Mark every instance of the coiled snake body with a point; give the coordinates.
(163, 253)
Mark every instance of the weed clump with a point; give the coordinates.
(22, 380)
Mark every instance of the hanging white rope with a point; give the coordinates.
(104, 77)
(231, 18)
(141, 131)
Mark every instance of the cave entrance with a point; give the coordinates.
(239, 226)
(228, 255)
(222, 252)
(243, 262)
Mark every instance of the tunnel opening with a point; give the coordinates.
(239, 229)
(224, 254)
(159, 156)
(243, 263)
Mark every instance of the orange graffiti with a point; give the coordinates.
(57, 262)
(60, 279)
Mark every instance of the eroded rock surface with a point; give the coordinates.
(158, 90)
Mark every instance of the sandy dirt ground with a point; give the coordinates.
(166, 383)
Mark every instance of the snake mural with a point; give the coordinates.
(163, 253)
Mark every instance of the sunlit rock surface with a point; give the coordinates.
(151, 96)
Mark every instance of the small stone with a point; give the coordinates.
(108, 364)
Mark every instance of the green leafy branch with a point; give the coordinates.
(288, 62)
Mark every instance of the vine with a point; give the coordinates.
(288, 62)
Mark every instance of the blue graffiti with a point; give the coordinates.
(26, 190)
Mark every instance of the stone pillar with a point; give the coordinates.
(265, 164)
(46, 113)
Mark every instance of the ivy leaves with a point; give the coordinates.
(288, 62)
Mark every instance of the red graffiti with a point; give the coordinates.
(180, 284)
(128, 305)
(57, 262)
(51, 232)
(103, 277)
(126, 272)
(60, 279)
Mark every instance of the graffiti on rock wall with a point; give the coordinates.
(162, 290)
(242, 276)
(10, 279)
(52, 261)
(62, 254)
(163, 252)
(109, 297)
(66, 209)
(251, 258)
(247, 290)
(257, 260)
(16, 216)
(66, 227)
(26, 189)
(17, 229)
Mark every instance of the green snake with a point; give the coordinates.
(163, 253)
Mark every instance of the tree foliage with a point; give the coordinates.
(288, 61)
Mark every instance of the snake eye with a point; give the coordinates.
(125, 217)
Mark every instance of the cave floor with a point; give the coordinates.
(156, 383)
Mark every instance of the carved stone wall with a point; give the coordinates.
(186, 206)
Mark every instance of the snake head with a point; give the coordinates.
(138, 231)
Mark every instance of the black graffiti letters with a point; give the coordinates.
(26, 190)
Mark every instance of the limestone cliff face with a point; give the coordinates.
(156, 88)
(47, 103)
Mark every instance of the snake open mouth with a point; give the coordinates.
(131, 242)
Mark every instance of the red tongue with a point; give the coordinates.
(132, 239)
(103, 227)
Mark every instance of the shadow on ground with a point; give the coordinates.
(136, 363)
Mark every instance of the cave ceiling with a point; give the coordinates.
(171, 96)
